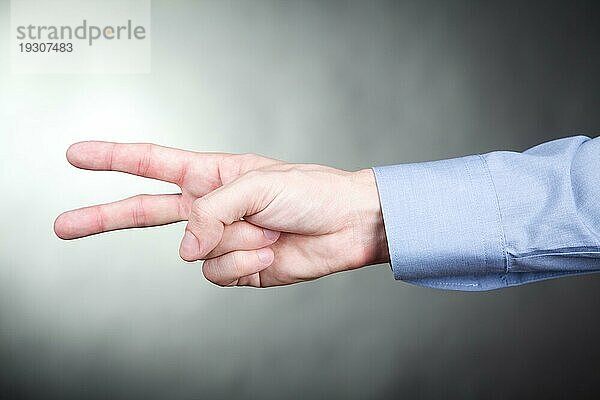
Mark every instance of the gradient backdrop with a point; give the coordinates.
(345, 83)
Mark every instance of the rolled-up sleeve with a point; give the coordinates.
(494, 220)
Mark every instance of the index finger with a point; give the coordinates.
(142, 159)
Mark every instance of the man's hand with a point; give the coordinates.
(256, 221)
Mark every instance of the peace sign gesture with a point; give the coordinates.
(237, 206)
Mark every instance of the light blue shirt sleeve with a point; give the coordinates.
(494, 220)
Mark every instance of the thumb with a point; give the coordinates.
(245, 196)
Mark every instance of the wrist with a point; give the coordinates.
(370, 242)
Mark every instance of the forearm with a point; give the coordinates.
(504, 218)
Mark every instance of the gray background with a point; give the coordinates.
(348, 84)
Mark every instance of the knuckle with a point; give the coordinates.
(235, 165)
(249, 233)
(248, 157)
(143, 166)
(100, 219)
(254, 175)
(200, 210)
(229, 169)
(251, 174)
(138, 212)
(110, 156)
(237, 263)
(210, 271)
(238, 165)
(207, 269)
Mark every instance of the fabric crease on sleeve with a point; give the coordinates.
(442, 220)
(494, 220)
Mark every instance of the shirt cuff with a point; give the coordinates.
(443, 223)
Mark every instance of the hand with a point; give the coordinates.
(256, 221)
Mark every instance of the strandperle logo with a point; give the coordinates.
(80, 36)
(85, 31)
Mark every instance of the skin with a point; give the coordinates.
(254, 221)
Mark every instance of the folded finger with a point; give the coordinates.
(243, 235)
(229, 268)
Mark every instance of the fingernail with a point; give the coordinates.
(190, 245)
(265, 255)
(271, 235)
